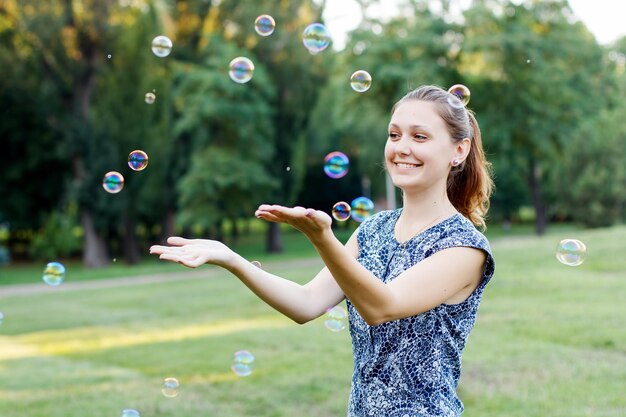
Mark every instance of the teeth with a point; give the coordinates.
(401, 165)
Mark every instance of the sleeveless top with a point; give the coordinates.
(411, 367)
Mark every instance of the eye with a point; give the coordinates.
(419, 136)
(394, 136)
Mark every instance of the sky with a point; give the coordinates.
(604, 18)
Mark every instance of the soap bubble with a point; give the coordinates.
(1, 318)
(54, 274)
(161, 46)
(571, 252)
(150, 98)
(361, 81)
(264, 25)
(129, 412)
(341, 211)
(256, 263)
(109, 56)
(316, 37)
(336, 319)
(241, 70)
(460, 96)
(170, 387)
(243, 362)
(362, 208)
(336, 164)
(113, 182)
(137, 160)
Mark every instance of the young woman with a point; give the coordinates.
(412, 277)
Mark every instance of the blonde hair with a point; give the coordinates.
(469, 184)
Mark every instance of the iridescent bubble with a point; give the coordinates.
(109, 56)
(362, 208)
(288, 169)
(316, 38)
(341, 211)
(1, 318)
(54, 274)
(571, 252)
(243, 362)
(129, 412)
(113, 182)
(161, 46)
(264, 25)
(170, 387)
(241, 70)
(336, 319)
(256, 263)
(361, 81)
(336, 164)
(150, 98)
(460, 96)
(137, 160)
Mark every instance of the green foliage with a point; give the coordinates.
(591, 182)
(59, 237)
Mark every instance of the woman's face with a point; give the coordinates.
(419, 149)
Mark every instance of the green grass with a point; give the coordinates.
(550, 341)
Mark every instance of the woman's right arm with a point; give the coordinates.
(300, 303)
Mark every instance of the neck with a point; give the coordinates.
(423, 206)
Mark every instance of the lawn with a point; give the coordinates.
(550, 341)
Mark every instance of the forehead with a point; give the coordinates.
(417, 112)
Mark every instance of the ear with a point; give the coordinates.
(462, 149)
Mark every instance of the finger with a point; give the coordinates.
(170, 257)
(178, 241)
(270, 217)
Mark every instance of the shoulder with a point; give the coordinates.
(459, 231)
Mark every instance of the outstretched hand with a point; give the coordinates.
(194, 252)
(313, 223)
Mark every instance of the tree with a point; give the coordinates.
(541, 74)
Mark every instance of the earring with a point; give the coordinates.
(455, 162)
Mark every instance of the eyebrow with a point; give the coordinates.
(412, 127)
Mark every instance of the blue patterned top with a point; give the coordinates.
(411, 367)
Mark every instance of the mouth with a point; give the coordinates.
(407, 165)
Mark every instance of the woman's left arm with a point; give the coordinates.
(420, 288)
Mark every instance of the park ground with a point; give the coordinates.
(550, 339)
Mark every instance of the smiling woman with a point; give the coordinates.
(412, 278)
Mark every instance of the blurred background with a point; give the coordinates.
(548, 95)
(81, 88)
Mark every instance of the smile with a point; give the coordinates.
(406, 165)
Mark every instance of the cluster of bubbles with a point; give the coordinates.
(336, 165)
(459, 96)
(361, 81)
(316, 38)
(137, 160)
(571, 252)
(361, 208)
(264, 25)
(113, 182)
(149, 98)
(54, 274)
(161, 46)
(241, 70)
(341, 211)
(336, 319)
(170, 387)
(243, 363)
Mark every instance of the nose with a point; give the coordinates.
(403, 145)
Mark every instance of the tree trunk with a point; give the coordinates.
(534, 182)
(234, 233)
(274, 239)
(168, 226)
(95, 254)
(131, 245)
